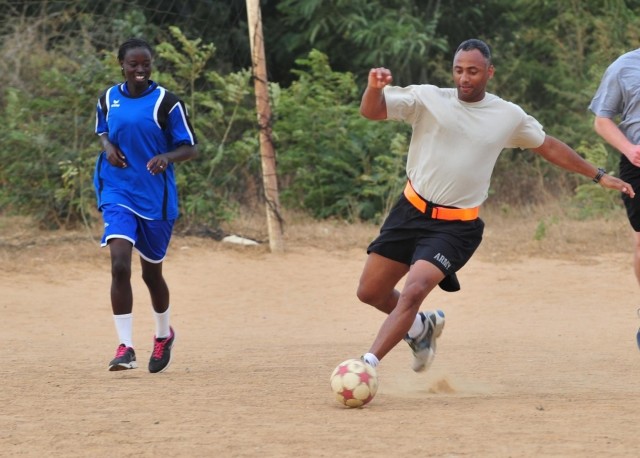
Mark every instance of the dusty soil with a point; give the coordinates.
(538, 356)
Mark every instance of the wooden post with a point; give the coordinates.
(267, 151)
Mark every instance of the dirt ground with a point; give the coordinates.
(538, 356)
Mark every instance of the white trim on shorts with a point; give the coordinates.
(128, 239)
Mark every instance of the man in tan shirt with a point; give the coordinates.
(434, 228)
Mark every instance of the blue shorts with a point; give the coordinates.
(149, 237)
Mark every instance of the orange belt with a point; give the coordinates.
(449, 214)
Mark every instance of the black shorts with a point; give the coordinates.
(631, 174)
(408, 235)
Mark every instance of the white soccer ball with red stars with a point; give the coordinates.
(354, 383)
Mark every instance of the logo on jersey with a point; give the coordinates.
(442, 260)
(115, 104)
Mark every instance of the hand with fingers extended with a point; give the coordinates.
(158, 164)
(610, 182)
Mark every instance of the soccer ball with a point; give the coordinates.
(354, 383)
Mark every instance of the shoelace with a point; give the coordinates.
(121, 351)
(158, 348)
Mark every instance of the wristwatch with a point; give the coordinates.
(599, 175)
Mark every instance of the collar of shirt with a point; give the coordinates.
(152, 85)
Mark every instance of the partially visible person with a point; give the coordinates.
(638, 333)
(616, 106)
(434, 228)
(144, 130)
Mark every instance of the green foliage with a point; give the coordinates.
(398, 34)
(549, 58)
(51, 121)
(48, 123)
(57, 57)
(76, 192)
(186, 66)
(328, 153)
(543, 226)
(541, 231)
(388, 177)
(222, 114)
(591, 200)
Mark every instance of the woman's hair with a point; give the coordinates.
(132, 43)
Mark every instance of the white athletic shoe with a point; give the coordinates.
(424, 346)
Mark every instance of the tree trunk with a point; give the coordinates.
(267, 151)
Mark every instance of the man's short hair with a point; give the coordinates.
(474, 43)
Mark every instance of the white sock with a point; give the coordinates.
(371, 359)
(124, 328)
(162, 323)
(417, 327)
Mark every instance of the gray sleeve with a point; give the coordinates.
(607, 101)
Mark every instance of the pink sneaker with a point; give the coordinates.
(125, 359)
(161, 356)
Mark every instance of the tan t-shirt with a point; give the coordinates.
(455, 144)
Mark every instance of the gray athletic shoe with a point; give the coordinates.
(424, 346)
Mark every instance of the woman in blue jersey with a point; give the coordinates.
(144, 130)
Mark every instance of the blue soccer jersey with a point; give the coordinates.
(142, 127)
